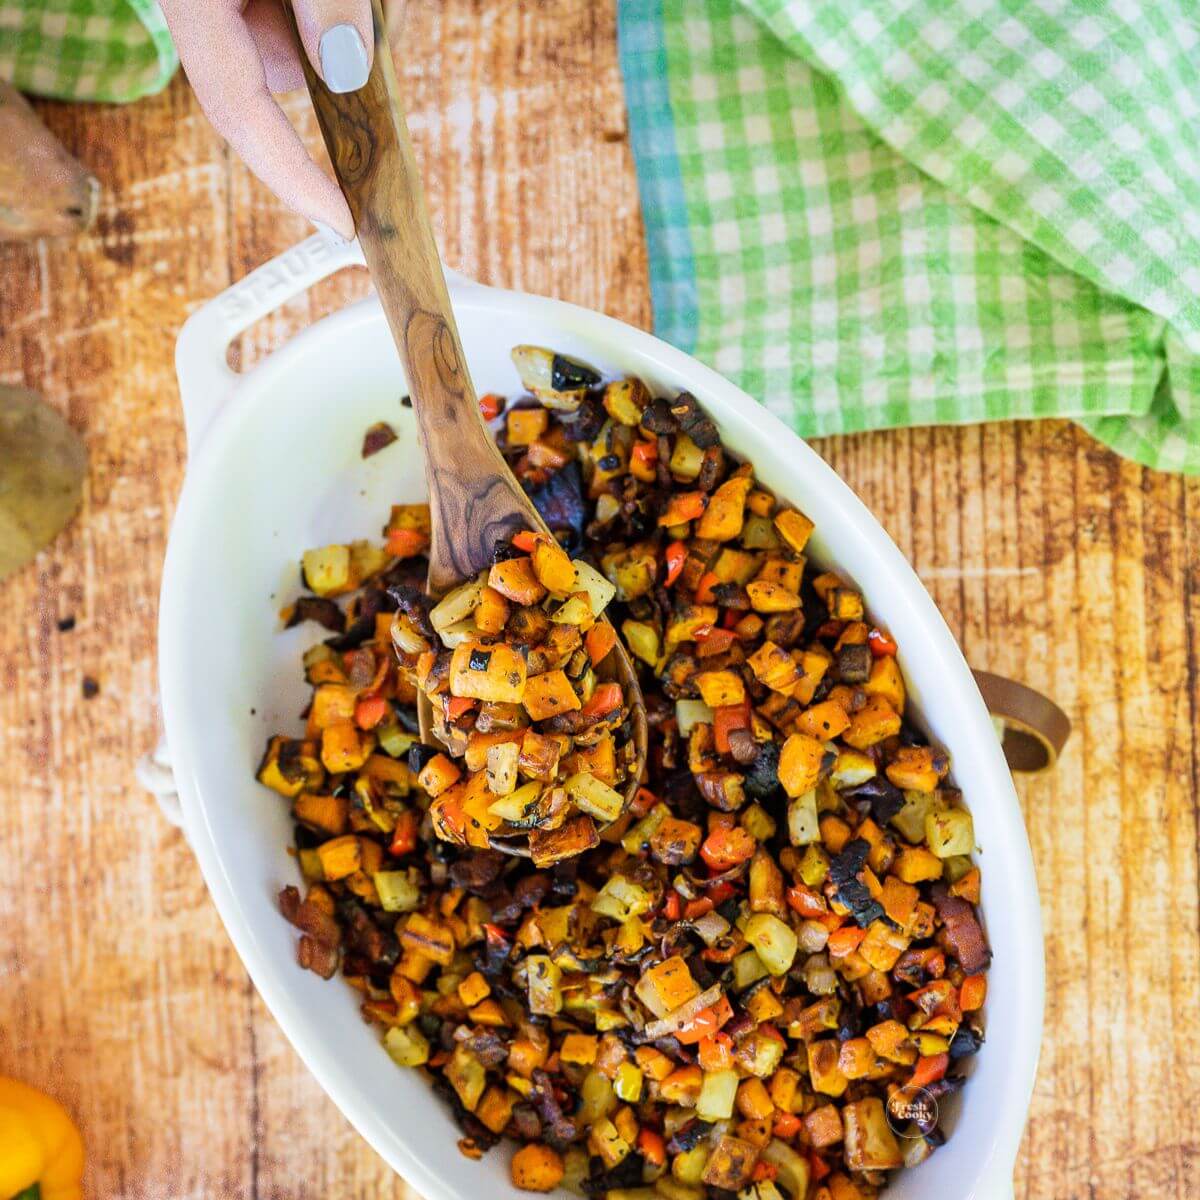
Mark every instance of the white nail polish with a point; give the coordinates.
(344, 65)
(331, 235)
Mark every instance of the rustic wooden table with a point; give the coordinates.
(1052, 559)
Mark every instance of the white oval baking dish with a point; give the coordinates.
(275, 467)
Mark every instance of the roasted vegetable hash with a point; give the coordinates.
(535, 745)
(762, 977)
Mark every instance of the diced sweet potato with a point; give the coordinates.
(343, 748)
(800, 763)
(723, 518)
(794, 527)
(731, 1164)
(494, 672)
(537, 1168)
(826, 721)
(525, 425)
(721, 688)
(917, 768)
(767, 597)
(824, 1126)
(876, 720)
(549, 695)
(575, 835)
(675, 842)
(666, 985)
(552, 566)
(514, 579)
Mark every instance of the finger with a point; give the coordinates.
(338, 38)
(276, 42)
(231, 86)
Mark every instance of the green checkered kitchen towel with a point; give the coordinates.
(901, 212)
(113, 50)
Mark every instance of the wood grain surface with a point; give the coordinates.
(1052, 559)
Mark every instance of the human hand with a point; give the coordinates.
(238, 52)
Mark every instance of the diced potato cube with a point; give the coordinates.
(406, 1045)
(800, 763)
(773, 940)
(666, 985)
(502, 768)
(803, 822)
(631, 572)
(398, 891)
(457, 604)
(624, 400)
(543, 979)
(327, 570)
(642, 639)
(792, 1168)
(851, 769)
(605, 1142)
(599, 590)
(870, 1143)
(686, 458)
(950, 832)
(910, 820)
(594, 797)
(549, 695)
(622, 898)
(718, 1093)
(467, 1075)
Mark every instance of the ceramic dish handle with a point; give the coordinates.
(205, 378)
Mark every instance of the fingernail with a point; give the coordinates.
(331, 235)
(344, 65)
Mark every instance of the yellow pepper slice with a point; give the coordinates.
(39, 1146)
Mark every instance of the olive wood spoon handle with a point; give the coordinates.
(475, 501)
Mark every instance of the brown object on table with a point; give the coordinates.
(43, 190)
(1051, 559)
(475, 501)
(42, 467)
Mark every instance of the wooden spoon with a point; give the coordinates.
(475, 501)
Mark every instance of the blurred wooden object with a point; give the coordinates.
(44, 192)
(42, 467)
(1052, 559)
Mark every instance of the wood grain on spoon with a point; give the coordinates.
(475, 501)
